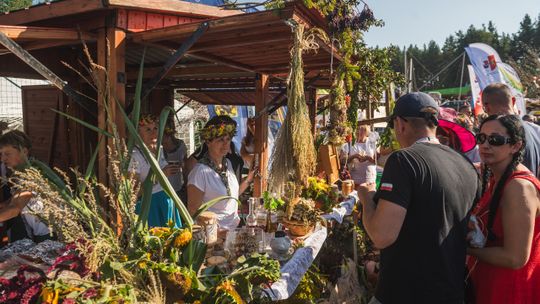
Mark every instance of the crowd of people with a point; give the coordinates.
(450, 230)
(455, 216)
(214, 170)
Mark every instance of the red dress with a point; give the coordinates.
(495, 284)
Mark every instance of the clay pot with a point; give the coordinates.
(298, 228)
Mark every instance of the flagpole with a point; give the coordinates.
(461, 78)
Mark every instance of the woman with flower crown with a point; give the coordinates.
(162, 209)
(213, 175)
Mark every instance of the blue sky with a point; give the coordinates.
(419, 21)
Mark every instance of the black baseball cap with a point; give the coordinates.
(415, 104)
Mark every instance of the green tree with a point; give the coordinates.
(10, 5)
(536, 39)
(528, 69)
(524, 38)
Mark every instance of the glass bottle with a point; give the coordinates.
(251, 219)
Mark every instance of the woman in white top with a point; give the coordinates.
(14, 149)
(360, 157)
(162, 208)
(213, 175)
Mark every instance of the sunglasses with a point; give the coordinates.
(493, 140)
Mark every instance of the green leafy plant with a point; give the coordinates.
(272, 203)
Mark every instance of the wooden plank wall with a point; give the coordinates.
(138, 21)
(46, 129)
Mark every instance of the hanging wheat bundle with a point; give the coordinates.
(294, 156)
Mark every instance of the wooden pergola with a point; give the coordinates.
(211, 55)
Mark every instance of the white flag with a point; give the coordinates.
(475, 91)
(485, 61)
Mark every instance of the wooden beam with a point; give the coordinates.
(196, 71)
(35, 64)
(222, 61)
(51, 10)
(39, 45)
(243, 42)
(280, 99)
(174, 6)
(227, 24)
(173, 60)
(373, 121)
(261, 134)
(44, 33)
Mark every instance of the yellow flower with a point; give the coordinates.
(227, 287)
(159, 231)
(183, 238)
(124, 258)
(197, 302)
(141, 264)
(47, 295)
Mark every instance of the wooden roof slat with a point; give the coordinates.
(167, 6)
(268, 39)
(222, 61)
(183, 72)
(44, 33)
(38, 45)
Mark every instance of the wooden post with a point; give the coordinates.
(102, 117)
(311, 99)
(116, 72)
(262, 83)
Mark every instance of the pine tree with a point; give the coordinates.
(536, 39)
(524, 38)
(11, 5)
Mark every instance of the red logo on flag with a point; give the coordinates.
(492, 62)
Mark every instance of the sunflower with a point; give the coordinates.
(180, 279)
(183, 238)
(159, 231)
(227, 287)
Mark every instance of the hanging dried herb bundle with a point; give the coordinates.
(294, 157)
(338, 129)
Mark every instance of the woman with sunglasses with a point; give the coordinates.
(507, 269)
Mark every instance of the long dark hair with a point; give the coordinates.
(515, 130)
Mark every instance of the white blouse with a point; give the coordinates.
(208, 181)
(142, 167)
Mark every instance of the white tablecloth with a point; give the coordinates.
(345, 208)
(293, 271)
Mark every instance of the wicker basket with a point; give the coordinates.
(298, 228)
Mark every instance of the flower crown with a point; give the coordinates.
(214, 131)
(147, 119)
(169, 131)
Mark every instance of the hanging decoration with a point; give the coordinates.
(294, 153)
